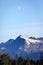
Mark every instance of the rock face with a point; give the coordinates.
(22, 46)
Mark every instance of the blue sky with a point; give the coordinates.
(21, 17)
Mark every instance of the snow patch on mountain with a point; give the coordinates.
(3, 48)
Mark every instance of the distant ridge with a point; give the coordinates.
(41, 38)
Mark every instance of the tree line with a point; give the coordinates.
(5, 60)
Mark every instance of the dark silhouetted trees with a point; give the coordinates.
(5, 60)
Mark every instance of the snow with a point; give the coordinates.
(34, 41)
(28, 41)
(3, 48)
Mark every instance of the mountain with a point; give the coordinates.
(32, 38)
(24, 47)
(41, 38)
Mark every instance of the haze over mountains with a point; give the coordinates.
(22, 46)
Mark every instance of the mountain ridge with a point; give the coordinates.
(23, 46)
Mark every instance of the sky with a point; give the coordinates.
(20, 17)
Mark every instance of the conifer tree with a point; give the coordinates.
(5, 59)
